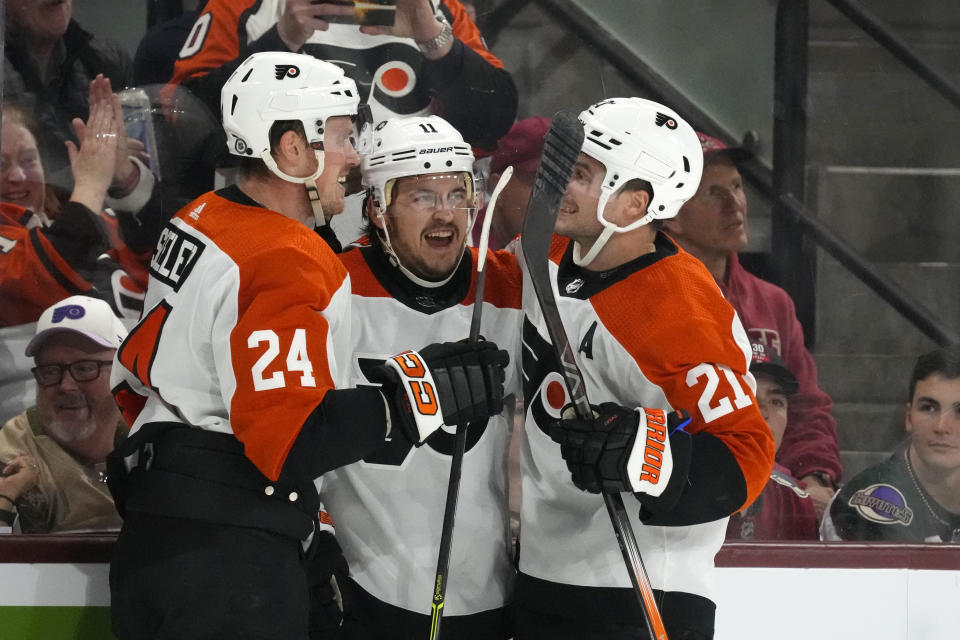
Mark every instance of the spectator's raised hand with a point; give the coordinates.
(19, 476)
(415, 19)
(302, 17)
(95, 161)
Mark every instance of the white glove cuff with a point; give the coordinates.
(650, 463)
(417, 382)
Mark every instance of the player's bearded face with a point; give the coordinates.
(339, 157)
(22, 172)
(427, 221)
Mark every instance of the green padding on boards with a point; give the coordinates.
(55, 623)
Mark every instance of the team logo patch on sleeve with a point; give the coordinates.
(175, 257)
(883, 504)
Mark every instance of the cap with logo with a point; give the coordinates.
(767, 361)
(87, 316)
(714, 147)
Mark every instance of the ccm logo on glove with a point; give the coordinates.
(417, 378)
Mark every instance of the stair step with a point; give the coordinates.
(853, 319)
(891, 214)
(864, 377)
(869, 426)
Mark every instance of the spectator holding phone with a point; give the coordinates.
(432, 58)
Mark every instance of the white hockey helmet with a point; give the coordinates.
(416, 146)
(271, 86)
(637, 138)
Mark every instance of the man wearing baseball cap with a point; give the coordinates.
(712, 225)
(52, 456)
(784, 511)
(520, 148)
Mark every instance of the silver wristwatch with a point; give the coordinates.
(441, 39)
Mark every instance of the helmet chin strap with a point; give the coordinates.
(608, 230)
(395, 259)
(309, 183)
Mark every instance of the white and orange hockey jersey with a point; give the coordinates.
(389, 507)
(239, 333)
(655, 332)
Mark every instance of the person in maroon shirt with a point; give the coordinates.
(784, 511)
(712, 225)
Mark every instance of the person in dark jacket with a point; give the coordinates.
(49, 63)
(914, 495)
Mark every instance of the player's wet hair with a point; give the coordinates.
(945, 361)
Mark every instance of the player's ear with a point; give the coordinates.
(636, 203)
(291, 147)
(907, 424)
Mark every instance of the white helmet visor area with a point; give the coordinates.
(443, 205)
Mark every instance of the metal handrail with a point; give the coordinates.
(886, 38)
(595, 35)
(894, 295)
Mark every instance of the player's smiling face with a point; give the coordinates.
(427, 222)
(339, 157)
(20, 167)
(577, 218)
(933, 421)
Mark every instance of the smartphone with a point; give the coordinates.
(138, 118)
(376, 13)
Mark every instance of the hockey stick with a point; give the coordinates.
(560, 152)
(460, 443)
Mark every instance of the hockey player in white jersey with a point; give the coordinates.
(233, 382)
(414, 283)
(652, 334)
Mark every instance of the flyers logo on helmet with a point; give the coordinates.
(663, 119)
(282, 71)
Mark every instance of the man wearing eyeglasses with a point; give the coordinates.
(52, 455)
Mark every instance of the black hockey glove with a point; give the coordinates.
(449, 383)
(641, 450)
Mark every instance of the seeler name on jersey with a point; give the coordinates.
(175, 256)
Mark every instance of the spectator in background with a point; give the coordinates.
(160, 46)
(49, 63)
(107, 172)
(45, 258)
(784, 511)
(428, 61)
(914, 495)
(53, 454)
(712, 225)
(520, 148)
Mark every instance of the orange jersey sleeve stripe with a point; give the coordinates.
(362, 280)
